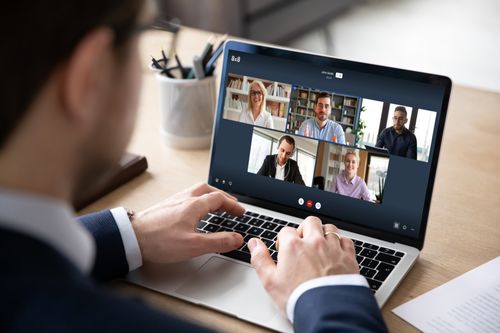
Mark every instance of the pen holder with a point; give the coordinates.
(187, 111)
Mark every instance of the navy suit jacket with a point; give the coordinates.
(41, 291)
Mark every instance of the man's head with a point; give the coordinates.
(351, 163)
(323, 106)
(400, 118)
(286, 146)
(71, 79)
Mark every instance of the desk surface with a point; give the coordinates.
(463, 224)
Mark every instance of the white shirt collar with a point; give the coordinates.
(51, 221)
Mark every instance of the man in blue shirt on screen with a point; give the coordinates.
(321, 127)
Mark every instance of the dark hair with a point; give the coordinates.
(288, 139)
(38, 36)
(323, 94)
(401, 109)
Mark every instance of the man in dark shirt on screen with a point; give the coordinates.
(398, 140)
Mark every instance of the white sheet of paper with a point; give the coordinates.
(468, 303)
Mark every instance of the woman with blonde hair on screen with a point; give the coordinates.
(348, 182)
(256, 113)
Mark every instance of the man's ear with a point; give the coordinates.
(82, 75)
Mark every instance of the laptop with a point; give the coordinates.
(386, 219)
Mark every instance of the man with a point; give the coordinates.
(321, 127)
(70, 86)
(398, 140)
(280, 166)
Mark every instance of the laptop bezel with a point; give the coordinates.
(324, 60)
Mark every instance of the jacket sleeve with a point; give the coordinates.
(264, 169)
(110, 260)
(338, 309)
(298, 177)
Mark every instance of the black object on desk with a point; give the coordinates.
(129, 167)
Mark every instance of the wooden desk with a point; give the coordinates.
(464, 223)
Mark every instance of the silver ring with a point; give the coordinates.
(333, 233)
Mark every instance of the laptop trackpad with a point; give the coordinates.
(230, 287)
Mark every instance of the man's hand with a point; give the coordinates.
(304, 254)
(167, 232)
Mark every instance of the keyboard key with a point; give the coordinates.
(370, 263)
(268, 242)
(383, 271)
(243, 218)
(241, 227)
(278, 228)
(216, 220)
(245, 249)
(255, 231)
(293, 225)
(225, 229)
(368, 253)
(367, 272)
(265, 217)
(247, 238)
(357, 249)
(238, 255)
(374, 285)
(228, 216)
(269, 234)
(201, 224)
(399, 254)
(207, 217)
(256, 222)
(269, 225)
(251, 213)
(388, 258)
(229, 223)
(274, 255)
(211, 228)
(283, 223)
(370, 246)
(357, 242)
(386, 250)
(359, 259)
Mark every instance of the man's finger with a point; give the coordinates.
(217, 242)
(215, 201)
(312, 227)
(203, 188)
(262, 261)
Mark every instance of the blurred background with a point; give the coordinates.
(457, 38)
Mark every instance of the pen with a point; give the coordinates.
(207, 50)
(156, 64)
(210, 66)
(198, 68)
(181, 68)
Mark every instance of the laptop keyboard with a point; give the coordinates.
(375, 262)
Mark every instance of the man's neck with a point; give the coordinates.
(400, 131)
(321, 123)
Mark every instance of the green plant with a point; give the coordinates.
(361, 126)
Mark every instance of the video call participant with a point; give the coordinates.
(397, 139)
(281, 166)
(320, 127)
(347, 182)
(256, 113)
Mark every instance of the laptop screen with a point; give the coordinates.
(342, 140)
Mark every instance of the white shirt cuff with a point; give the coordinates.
(331, 280)
(132, 250)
